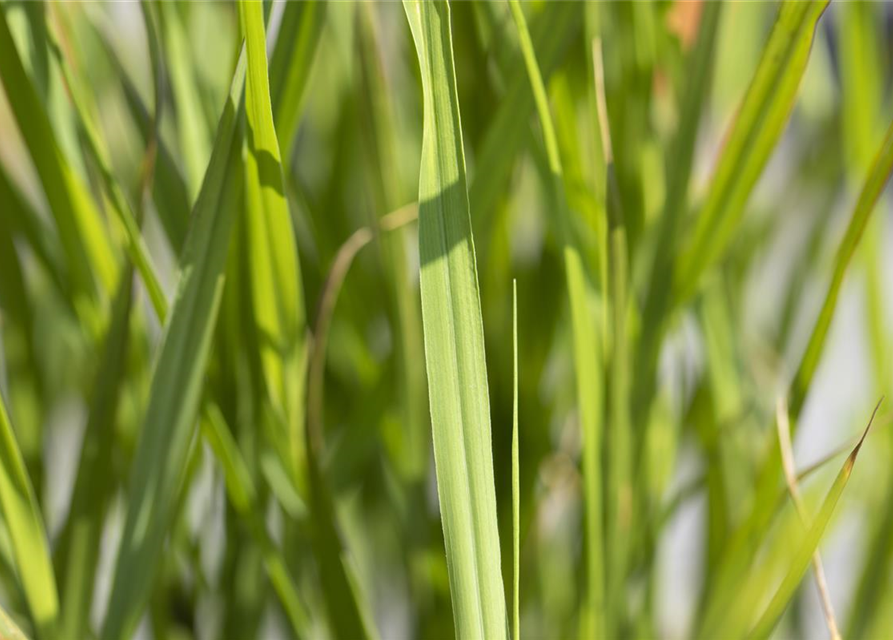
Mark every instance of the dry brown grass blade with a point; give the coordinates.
(787, 460)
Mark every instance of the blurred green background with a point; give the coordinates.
(347, 103)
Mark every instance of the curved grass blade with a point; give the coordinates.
(84, 239)
(454, 341)
(801, 560)
(754, 134)
(21, 515)
(177, 379)
(274, 269)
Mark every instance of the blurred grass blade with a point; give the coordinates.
(84, 239)
(753, 136)
(801, 560)
(299, 35)
(23, 520)
(244, 499)
(177, 380)
(875, 181)
(584, 338)
(275, 276)
(454, 341)
(193, 133)
(8, 629)
(77, 553)
(516, 478)
(136, 246)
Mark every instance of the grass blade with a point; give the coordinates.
(299, 35)
(754, 134)
(21, 515)
(275, 276)
(454, 341)
(516, 479)
(585, 338)
(84, 239)
(805, 551)
(177, 379)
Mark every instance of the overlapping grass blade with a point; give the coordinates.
(136, 246)
(193, 132)
(8, 629)
(177, 380)
(299, 35)
(585, 339)
(243, 496)
(90, 260)
(23, 520)
(801, 560)
(740, 548)
(454, 341)
(755, 132)
(274, 270)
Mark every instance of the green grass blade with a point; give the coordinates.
(21, 514)
(299, 35)
(77, 553)
(193, 133)
(585, 340)
(136, 246)
(735, 560)
(177, 380)
(803, 557)
(84, 239)
(454, 341)
(516, 479)
(243, 496)
(757, 128)
(275, 275)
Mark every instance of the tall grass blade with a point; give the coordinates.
(454, 341)
(177, 380)
(275, 276)
(584, 337)
(516, 478)
(758, 126)
(23, 520)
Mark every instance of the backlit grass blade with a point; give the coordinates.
(87, 250)
(299, 34)
(454, 341)
(585, 340)
(177, 380)
(516, 479)
(23, 520)
(77, 553)
(754, 134)
(801, 560)
(274, 269)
